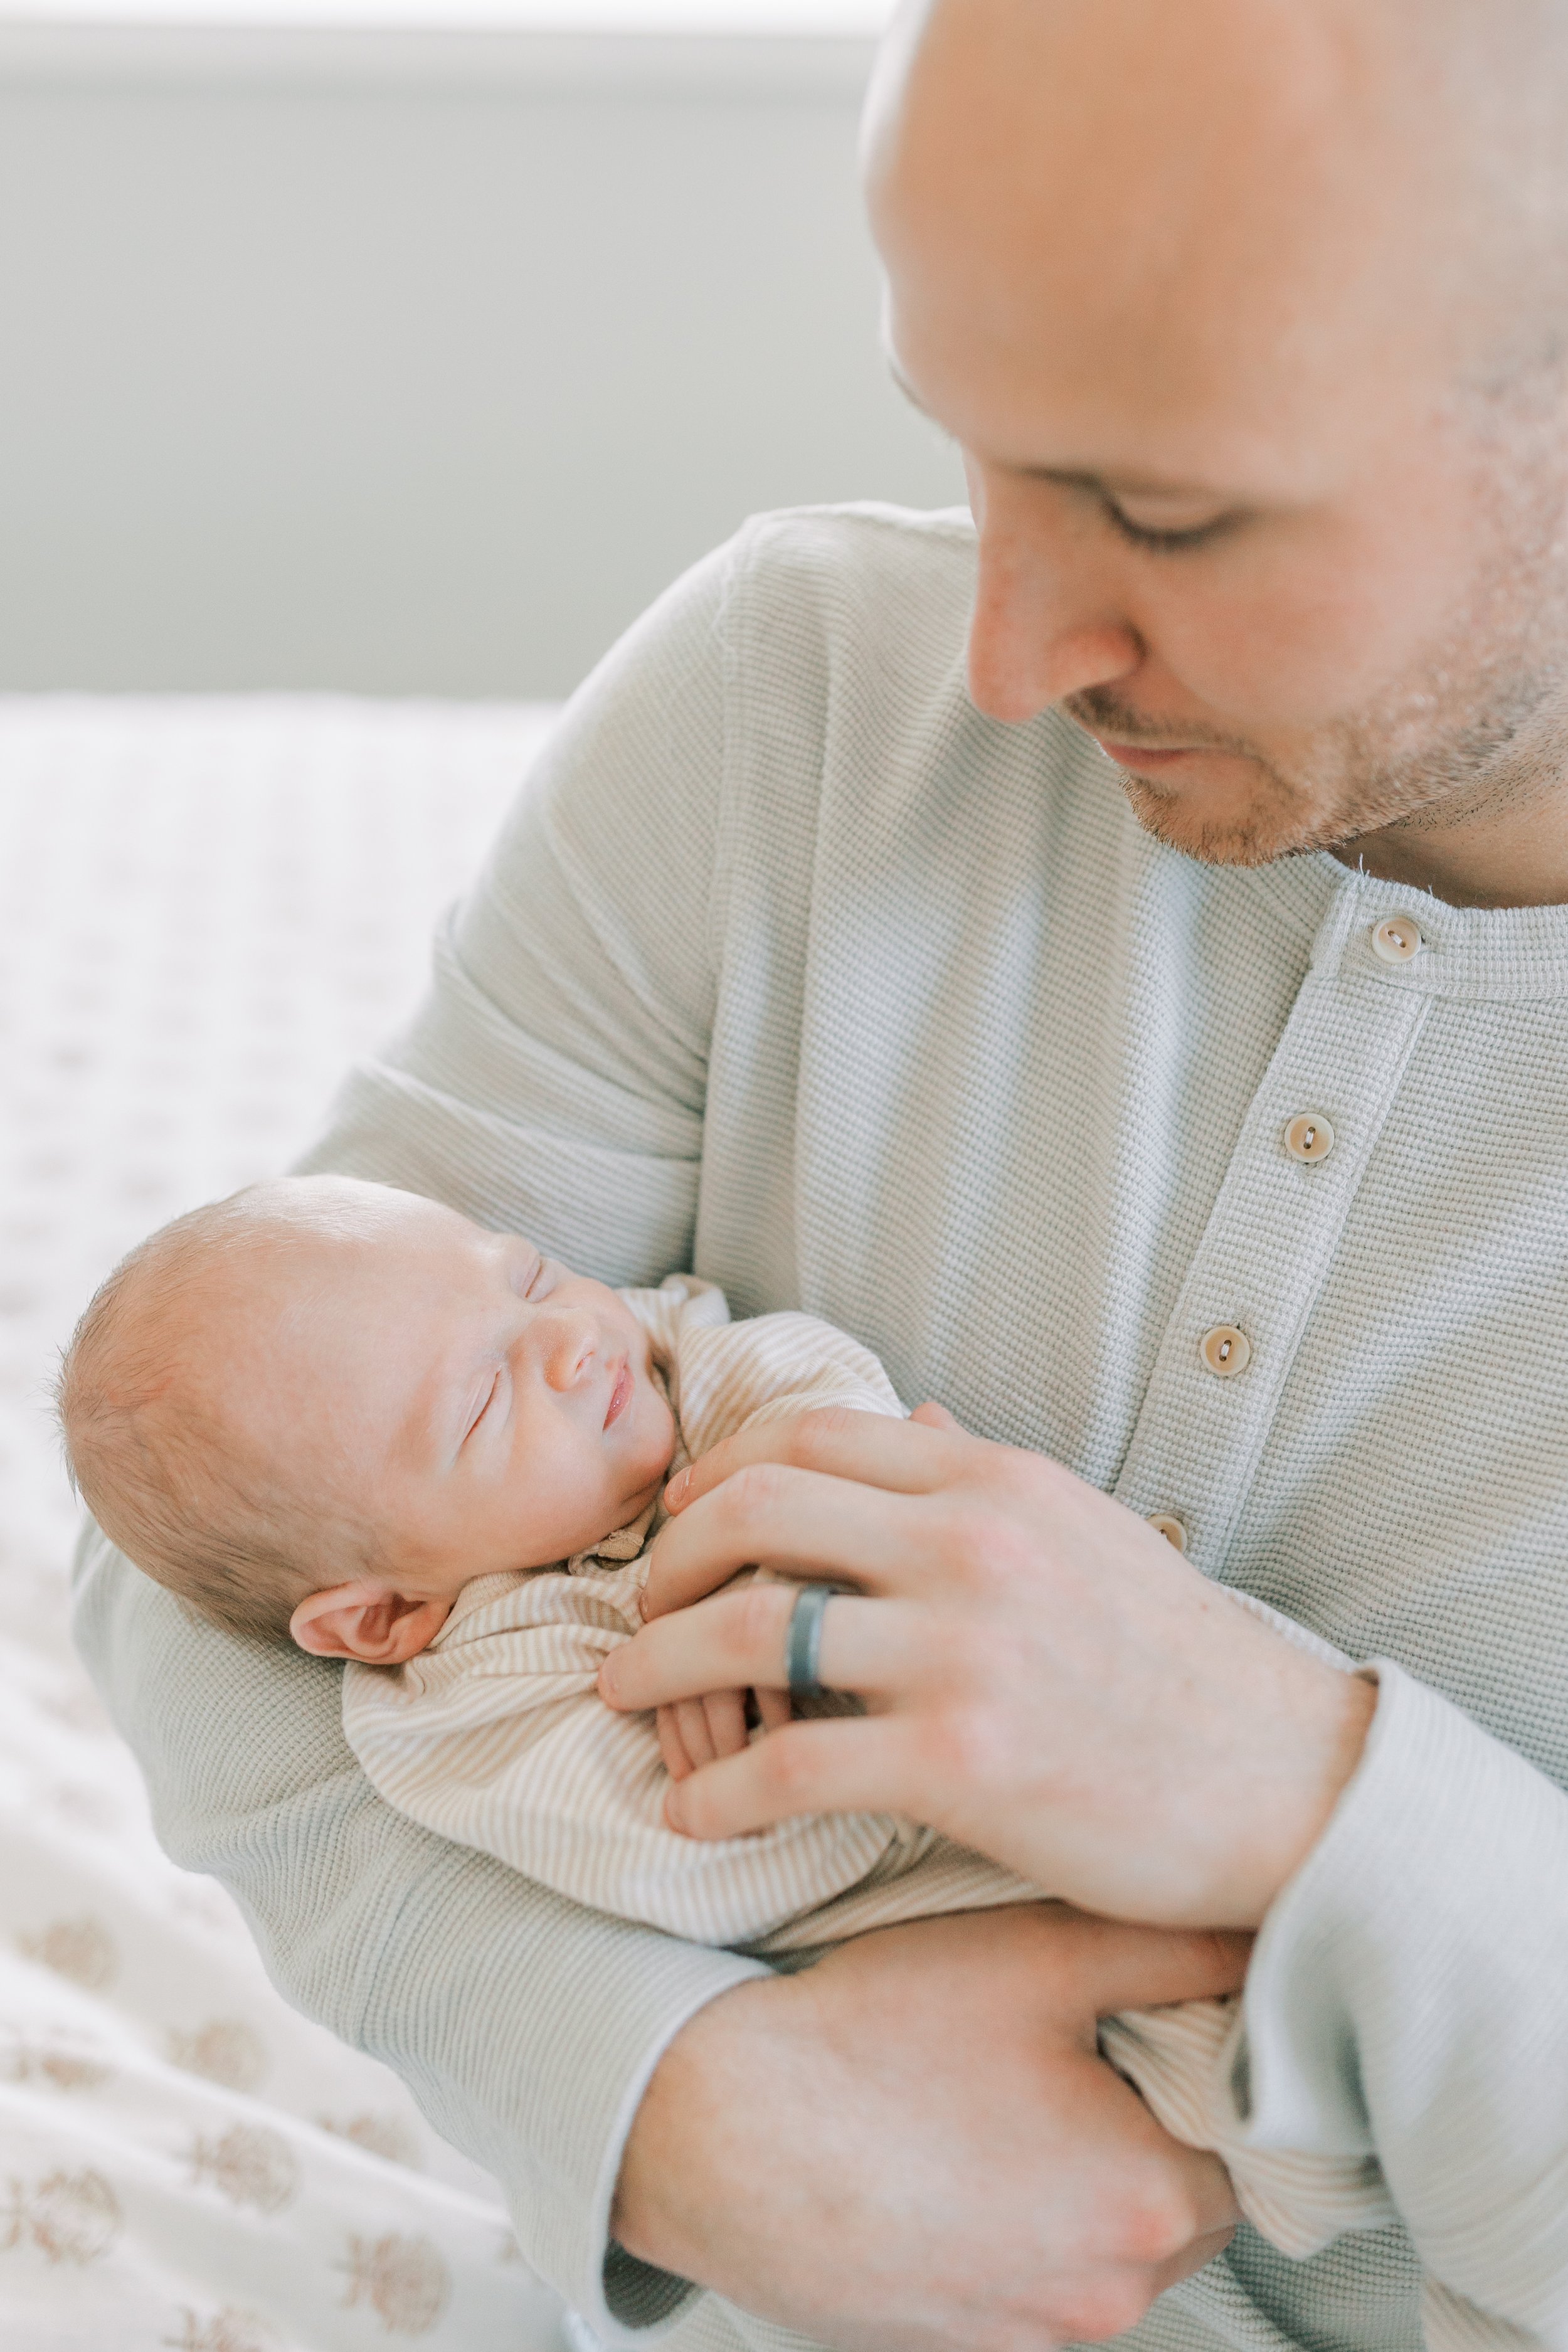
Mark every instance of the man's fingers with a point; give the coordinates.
(740, 1639)
(772, 1514)
(1118, 1966)
(844, 1765)
(932, 1415)
(907, 1457)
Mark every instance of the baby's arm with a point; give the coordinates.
(498, 1739)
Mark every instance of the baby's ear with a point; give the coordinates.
(368, 1621)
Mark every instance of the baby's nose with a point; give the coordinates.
(566, 1343)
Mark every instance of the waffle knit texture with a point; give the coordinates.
(791, 968)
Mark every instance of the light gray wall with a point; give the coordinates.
(421, 370)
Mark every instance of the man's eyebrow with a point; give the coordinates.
(1072, 477)
(1122, 486)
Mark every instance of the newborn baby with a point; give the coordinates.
(328, 1410)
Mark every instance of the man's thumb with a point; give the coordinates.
(1122, 1967)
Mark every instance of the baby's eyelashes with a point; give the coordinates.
(527, 1274)
(483, 1406)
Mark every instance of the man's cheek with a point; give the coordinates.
(1274, 663)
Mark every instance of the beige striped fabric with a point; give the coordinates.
(496, 1736)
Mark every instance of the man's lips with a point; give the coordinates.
(620, 1394)
(1143, 755)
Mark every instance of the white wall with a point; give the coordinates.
(415, 367)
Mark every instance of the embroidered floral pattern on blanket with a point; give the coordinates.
(205, 910)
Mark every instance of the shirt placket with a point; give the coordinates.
(1243, 1308)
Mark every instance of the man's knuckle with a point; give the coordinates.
(1156, 2224)
(993, 1553)
(971, 1550)
(1105, 2307)
(814, 1437)
(969, 1651)
(752, 1493)
(965, 1744)
(788, 1770)
(1156, 2216)
(1015, 1555)
(754, 1627)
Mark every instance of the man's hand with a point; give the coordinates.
(915, 2147)
(1046, 1680)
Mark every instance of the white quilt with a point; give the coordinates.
(205, 908)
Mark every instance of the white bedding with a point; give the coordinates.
(205, 908)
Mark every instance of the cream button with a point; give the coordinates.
(1310, 1137)
(1173, 1530)
(1225, 1351)
(1397, 939)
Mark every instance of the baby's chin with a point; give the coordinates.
(646, 1452)
(655, 1434)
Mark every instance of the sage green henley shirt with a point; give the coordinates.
(791, 968)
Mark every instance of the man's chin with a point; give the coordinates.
(1205, 827)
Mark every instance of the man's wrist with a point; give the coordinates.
(701, 2096)
(1334, 1742)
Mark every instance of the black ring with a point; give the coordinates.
(803, 1646)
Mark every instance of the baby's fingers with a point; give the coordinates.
(843, 1765)
(726, 1716)
(775, 1708)
(671, 1746)
(696, 1738)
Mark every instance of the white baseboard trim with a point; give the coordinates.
(491, 44)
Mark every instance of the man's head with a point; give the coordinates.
(1251, 319)
(325, 1406)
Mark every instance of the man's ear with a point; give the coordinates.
(368, 1621)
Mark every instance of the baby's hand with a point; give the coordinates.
(695, 1731)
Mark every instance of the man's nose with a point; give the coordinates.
(1043, 626)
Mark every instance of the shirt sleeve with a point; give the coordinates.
(553, 1083)
(1407, 2000)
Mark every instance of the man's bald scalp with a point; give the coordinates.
(1436, 128)
(1498, 74)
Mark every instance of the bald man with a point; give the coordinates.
(1114, 960)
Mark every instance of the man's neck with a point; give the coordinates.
(1509, 851)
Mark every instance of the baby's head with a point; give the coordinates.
(322, 1406)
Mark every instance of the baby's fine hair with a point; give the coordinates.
(153, 1457)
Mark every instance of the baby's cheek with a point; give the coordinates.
(660, 1444)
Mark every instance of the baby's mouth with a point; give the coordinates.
(621, 1394)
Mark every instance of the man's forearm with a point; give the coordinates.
(525, 2026)
(697, 2133)
(915, 2147)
